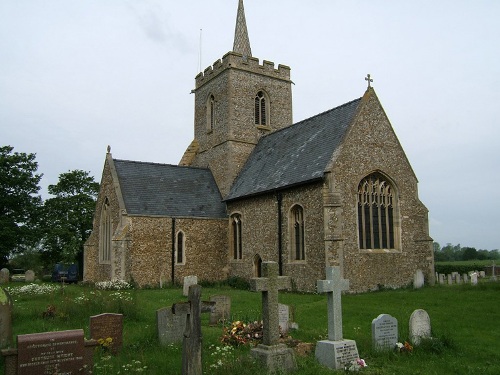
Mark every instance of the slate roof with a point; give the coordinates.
(168, 190)
(294, 155)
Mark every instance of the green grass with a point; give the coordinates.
(464, 322)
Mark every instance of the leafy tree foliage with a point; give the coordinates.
(451, 253)
(68, 217)
(19, 202)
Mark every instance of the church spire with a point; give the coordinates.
(241, 40)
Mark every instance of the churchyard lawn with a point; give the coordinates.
(464, 322)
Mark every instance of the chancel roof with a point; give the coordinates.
(294, 155)
(152, 189)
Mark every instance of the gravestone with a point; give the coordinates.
(29, 276)
(458, 279)
(441, 278)
(482, 274)
(107, 325)
(335, 352)
(222, 309)
(450, 279)
(191, 345)
(418, 279)
(473, 278)
(170, 327)
(493, 272)
(420, 326)
(284, 318)
(466, 278)
(4, 276)
(274, 356)
(5, 319)
(384, 332)
(188, 281)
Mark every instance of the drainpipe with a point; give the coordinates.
(173, 250)
(279, 199)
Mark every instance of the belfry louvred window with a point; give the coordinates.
(376, 204)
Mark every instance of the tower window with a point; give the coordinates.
(261, 117)
(210, 113)
(376, 208)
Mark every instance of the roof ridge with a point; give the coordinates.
(159, 164)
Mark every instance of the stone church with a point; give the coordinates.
(335, 189)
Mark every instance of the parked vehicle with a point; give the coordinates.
(65, 273)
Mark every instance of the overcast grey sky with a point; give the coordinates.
(78, 75)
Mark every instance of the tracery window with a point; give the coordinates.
(236, 242)
(297, 232)
(261, 109)
(376, 213)
(180, 247)
(105, 233)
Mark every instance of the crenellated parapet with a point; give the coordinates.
(233, 60)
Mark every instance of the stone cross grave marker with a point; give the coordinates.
(420, 326)
(335, 352)
(107, 325)
(5, 319)
(170, 327)
(191, 345)
(4, 276)
(384, 332)
(221, 310)
(188, 281)
(275, 356)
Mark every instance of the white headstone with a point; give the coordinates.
(188, 281)
(473, 278)
(466, 278)
(420, 326)
(384, 332)
(418, 279)
(284, 317)
(441, 278)
(450, 279)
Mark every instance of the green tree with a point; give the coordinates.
(68, 217)
(469, 253)
(19, 202)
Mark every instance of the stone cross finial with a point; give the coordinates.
(370, 80)
(191, 345)
(333, 286)
(269, 285)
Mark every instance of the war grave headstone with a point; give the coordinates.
(420, 326)
(29, 276)
(5, 319)
(450, 279)
(4, 276)
(335, 352)
(170, 326)
(466, 278)
(441, 278)
(191, 345)
(418, 279)
(384, 332)
(222, 309)
(59, 352)
(188, 281)
(107, 325)
(273, 355)
(458, 278)
(473, 278)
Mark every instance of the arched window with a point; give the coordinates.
(105, 233)
(180, 248)
(297, 232)
(210, 113)
(376, 208)
(261, 109)
(236, 236)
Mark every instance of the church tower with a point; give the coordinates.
(237, 101)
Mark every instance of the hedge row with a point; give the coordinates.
(460, 268)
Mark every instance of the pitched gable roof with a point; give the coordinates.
(168, 190)
(294, 155)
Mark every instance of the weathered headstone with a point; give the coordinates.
(482, 274)
(5, 319)
(275, 357)
(384, 332)
(105, 326)
(450, 279)
(170, 326)
(441, 278)
(335, 352)
(4, 276)
(284, 317)
(466, 278)
(29, 276)
(458, 279)
(188, 281)
(418, 279)
(221, 310)
(420, 326)
(191, 345)
(473, 278)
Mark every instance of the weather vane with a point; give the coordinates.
(369, 80)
